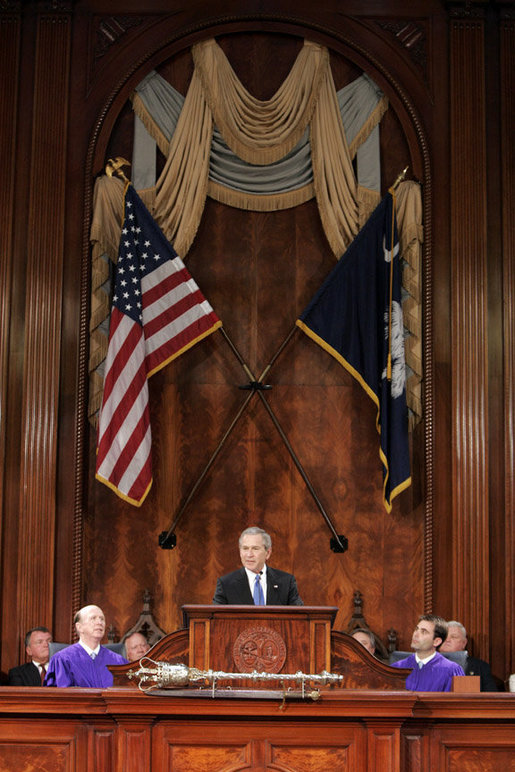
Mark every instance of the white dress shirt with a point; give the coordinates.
(251, 576)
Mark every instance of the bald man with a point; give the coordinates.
(136, 646)
(84, 663)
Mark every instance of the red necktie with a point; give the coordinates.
(43, 674)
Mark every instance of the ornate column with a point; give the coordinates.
(10, 30)
(45, 226)
(469, 323)
(507, 80)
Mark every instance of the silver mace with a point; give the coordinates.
(164, 674)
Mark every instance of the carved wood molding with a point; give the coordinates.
(109, 29)
(470, 9)
(9, 7)
(470, 548)
(54, 6)
(412, 36)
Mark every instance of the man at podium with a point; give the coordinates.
(256, 583)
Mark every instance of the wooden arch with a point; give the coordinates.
(151, 46)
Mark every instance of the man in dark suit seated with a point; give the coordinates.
(457, 641)
(256, 583)
(33, 673)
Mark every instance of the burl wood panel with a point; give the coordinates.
(244, 746)
(365, 731)
(25, 747)
(259, 270)
(470, 749)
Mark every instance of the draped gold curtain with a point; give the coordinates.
(260, 132)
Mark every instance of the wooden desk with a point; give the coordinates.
(369, 723)
(80, 730)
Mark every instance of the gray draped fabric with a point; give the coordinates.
(357, 100)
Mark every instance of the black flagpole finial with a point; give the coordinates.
(167, 540)
(340, 544)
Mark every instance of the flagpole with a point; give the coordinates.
(167, 539)
(392, 191)
(400, 178)
(339, 543)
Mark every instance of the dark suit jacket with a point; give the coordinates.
(24, 675)
(481, 668)
(281, 589)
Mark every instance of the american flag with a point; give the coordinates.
(158, 312)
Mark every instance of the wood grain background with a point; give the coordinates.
(448, 544)
(259, 270)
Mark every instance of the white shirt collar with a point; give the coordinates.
(426, 660)
(88, 650)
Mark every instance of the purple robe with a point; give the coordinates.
(73, 666)
(436, 676)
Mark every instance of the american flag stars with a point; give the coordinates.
(158, 312)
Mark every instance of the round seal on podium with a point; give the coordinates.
(259, 648)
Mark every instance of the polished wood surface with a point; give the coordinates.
(68, 70)
(370, 731)
(267, 639)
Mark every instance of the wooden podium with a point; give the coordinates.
(270, 639)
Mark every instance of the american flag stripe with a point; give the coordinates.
(187, 330)
(163, 314)
(164, 279)
(183, 315)
(158, 312)
(119, 415)
(133, 456)
(121, 356)
(131, 478)
(122, 419)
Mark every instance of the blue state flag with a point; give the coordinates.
(356, 316)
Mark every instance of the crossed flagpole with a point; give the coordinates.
(168, 539)
(339, 543)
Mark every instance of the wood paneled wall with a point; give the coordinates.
(448, 543)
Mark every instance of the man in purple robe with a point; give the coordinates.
(431, 671)
(84, 663)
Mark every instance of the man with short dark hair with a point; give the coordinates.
(33, 673)
(457, 641)
(256, 583)
(85, 663)
(366, 638)
(431, 672)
